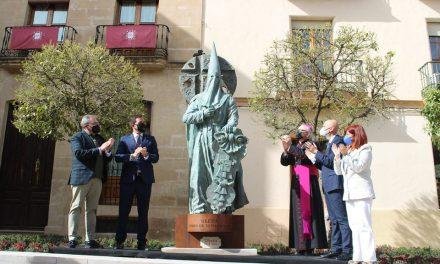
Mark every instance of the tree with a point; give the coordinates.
(60, 84)
(431, 111)
(309, 77)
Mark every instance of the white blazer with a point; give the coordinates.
(355, 167)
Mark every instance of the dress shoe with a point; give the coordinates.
(307, 252)
(141, 245)
(92, 244)
(118, 245)
(344, 257)
(72, 244)
(330, 254)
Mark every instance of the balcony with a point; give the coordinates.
(430, 74)
(145, 45)
(19, 42)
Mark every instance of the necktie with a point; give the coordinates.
(138, 141)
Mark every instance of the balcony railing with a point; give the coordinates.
(11, 53)
(154, 53)
(430, 74)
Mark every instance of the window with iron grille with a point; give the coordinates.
(110, 189)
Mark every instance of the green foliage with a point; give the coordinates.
(30, 242)
(437, 170)
(387, 254)
(309, 77)
(44, 243)
(272, 249)
(431, 111)
(62, 83)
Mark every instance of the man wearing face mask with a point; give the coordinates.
(332, 186)
(137, 151)
(90, 156)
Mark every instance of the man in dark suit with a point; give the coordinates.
(90, 156)
(333, 189)
(137, 151)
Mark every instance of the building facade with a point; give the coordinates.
(406, 210)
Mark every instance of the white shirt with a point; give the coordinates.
(136, 136)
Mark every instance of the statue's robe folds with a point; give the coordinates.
(201, 148)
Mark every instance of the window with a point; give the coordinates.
(48, 15)
(313, 33)
(137, 12)
(312, 30)
(434, 44)
(434, 40)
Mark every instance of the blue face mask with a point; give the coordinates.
(347, 140)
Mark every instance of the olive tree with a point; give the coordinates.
(310, 76)
(61, 83)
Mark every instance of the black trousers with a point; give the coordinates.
(142, 191)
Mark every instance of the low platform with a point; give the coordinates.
(158, 255)
(213, 251)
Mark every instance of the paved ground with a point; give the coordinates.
(158, 255)
(7, 257)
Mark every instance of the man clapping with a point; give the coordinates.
(90, 157)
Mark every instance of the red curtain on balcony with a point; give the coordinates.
(141, 36)
(23, 38)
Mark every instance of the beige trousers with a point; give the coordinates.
(84, 195)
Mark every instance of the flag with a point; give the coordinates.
(23, 38)
(140, 36)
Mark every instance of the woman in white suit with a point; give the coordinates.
(353, 161)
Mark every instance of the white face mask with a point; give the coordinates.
(323, 132)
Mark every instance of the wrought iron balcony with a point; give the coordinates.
(430, 74)
(145, 45)
(19, 42)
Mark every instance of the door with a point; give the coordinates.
(25, 179)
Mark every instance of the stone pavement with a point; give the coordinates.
(9, 257)
(188, 257)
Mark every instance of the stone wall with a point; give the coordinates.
(169, 194)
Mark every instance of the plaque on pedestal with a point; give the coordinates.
(190, 230)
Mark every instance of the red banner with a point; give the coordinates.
(141, 36)
(23, 38)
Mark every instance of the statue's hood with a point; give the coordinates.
(213, 93)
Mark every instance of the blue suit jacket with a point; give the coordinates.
(330, 181)
(126, 146)
(84, 154)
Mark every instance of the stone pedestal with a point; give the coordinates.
(192, 228)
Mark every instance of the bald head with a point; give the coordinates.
(331, 126)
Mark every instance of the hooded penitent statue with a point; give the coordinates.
(215, 148)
